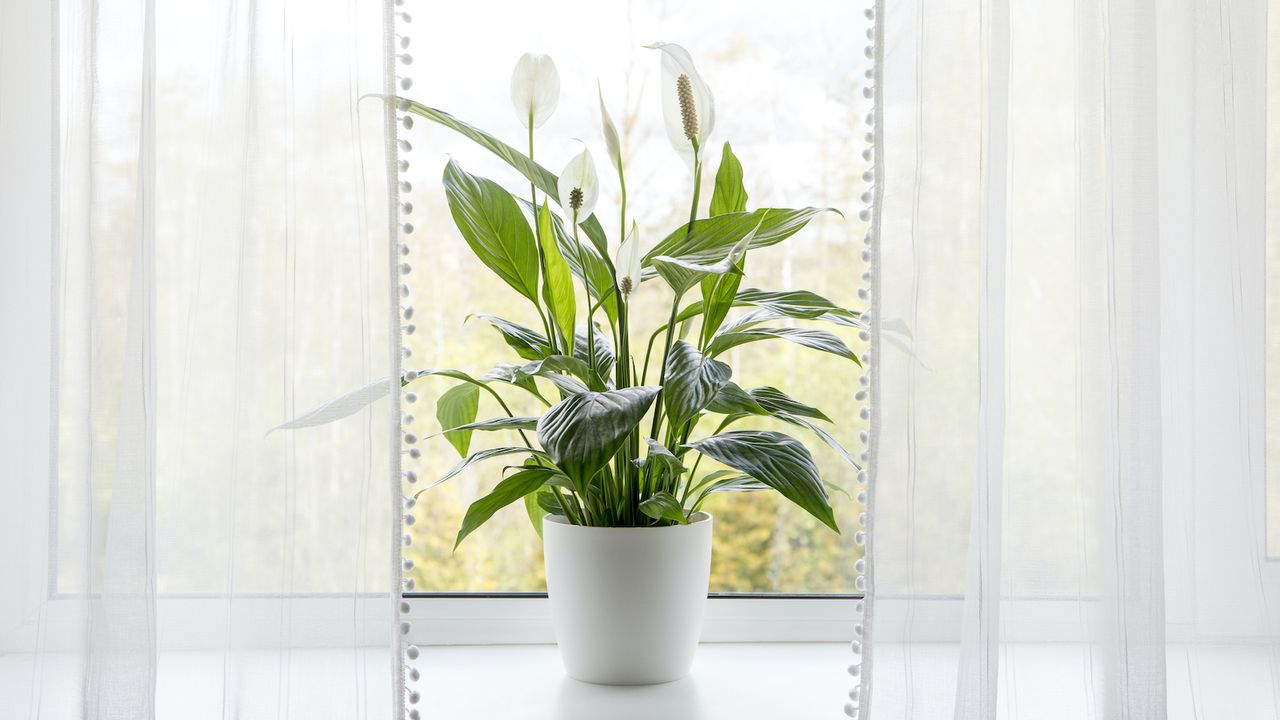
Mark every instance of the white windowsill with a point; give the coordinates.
(729, 681)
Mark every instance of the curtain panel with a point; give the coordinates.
(198, 247)
(1070, 465)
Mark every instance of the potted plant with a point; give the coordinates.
(616, 471)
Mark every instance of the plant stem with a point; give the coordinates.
(591, 329)
(675, 303)
(662, 375)
(537, 242)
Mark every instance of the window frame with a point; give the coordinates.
(525, 618)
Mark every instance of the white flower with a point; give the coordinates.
(628, 262)
(579, 188)
(687, 105)
(610, 133)
(535, 89)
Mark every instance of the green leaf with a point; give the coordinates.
(792, 303)
(718, 293)
(557, 284)
(604, 354)
(776, 401)
(492, 224)
(546, 181)
(822, 434)
(476, 457)
(692, 380)
(582, 433)
(508, 490)
(711, 239)
(682, 274)
(776, 460)
(493, 424)
(662, 505)
(548, 502)
(797, 304)
(586, 264)
(662, 460)
(528, 344)
(554, 367)
(457, 407)
(815, 339)
(729, 196)
(339, 407)
(733, 400)
(533, 506)
(510, 373)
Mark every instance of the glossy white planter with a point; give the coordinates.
(627, 603)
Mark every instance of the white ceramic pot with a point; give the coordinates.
(627, 603)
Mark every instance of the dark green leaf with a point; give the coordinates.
(815, 339)
(507, 491)
(776, 460)
(492, 224)
(711, 239)
(554, 367)
(533, 506)
(822, 434)
(604, 353)
(510, 373)
(557, 284)
(502, 423)
(528, 344)
(535, 173)
(733, 400)
(662, 505)
(681, 274)
(718, 294)
(737, 483)
(581, 434)
(729, 196)
(475, 457)
(692, 380)
(587, 265)
(458, 407)
(776, 401)
(662, 461)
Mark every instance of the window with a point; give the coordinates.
(762, 74)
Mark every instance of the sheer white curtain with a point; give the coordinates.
(196, 224)
(1069, 487)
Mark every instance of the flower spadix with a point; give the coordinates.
(535, 89)
(579, 188)
(688, 108)
(628, 262)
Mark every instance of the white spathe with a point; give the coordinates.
(628, 261)
(627, 603)
(535, 88)
(676, 61)
(579, 173)
(610, 131)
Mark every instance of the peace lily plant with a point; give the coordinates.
(596, 462)
(615, 463)
(591, 457)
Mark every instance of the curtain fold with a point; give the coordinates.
(220, 263)
(1070, 485)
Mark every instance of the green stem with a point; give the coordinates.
(662, 375)
(591, 326)
(537, 242)
(675, 304)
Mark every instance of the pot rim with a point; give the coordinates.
(699, 518)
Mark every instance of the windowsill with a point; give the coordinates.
(729, 681)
